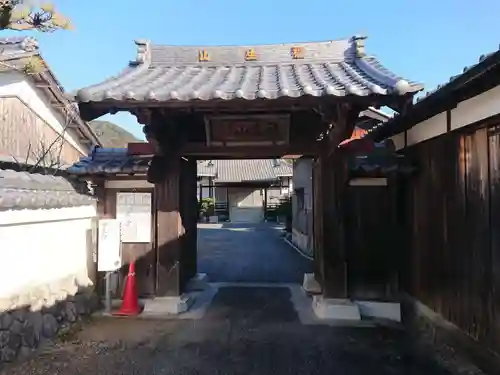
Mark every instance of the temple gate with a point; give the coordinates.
(264, 101)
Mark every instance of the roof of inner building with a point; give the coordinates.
(165, 73)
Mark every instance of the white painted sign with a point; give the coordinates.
(109, 246)
(133, 211)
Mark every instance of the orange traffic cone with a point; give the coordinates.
(130, 303)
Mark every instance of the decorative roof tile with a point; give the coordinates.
(187, 73)
(24, 190)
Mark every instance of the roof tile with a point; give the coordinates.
(240, 170)
(171, 73)
(24, 190)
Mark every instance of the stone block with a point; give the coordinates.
(161, 306)
(198, 283)
(381, 310)
(310, 285)
(337, 309)
(40, 313)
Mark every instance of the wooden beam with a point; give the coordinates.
(250, 152)
(141, 148)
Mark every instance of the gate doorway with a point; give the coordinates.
(223, 102)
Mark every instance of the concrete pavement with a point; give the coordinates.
(248, 253)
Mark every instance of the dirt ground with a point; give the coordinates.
(244, 331)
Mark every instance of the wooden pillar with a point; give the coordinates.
(317, 221)
(265, 203)
(177, 216)
(329, 187)
(169, 232)
(333, 188)
(189, 217)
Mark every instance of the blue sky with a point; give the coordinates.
(426, 40)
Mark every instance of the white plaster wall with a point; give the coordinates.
(44, 250)
(427, 129)
(468, 112)
(399, 141)
(16, 84)
(477, 108)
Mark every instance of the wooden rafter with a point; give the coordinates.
(339, 120)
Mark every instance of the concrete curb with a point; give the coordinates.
(290, 243)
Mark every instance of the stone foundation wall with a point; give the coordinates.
(39, 314)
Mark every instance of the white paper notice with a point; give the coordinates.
(109, 251)
(133, 211)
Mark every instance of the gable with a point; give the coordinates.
(25, 136)
(14, 84)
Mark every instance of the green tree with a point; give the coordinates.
(25, 15)
(206, 207)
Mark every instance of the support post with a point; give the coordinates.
(333, 187)
(189, 217)
(169, 233)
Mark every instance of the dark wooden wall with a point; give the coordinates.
(373, 240)
(453, 259)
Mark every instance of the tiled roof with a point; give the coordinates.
(110, 161)
(246, 169)
(17, 47)
(207, 168)
(380, 164)
(381, 160)
(174, 73)
(23, 190)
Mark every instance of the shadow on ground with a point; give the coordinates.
(245, 331)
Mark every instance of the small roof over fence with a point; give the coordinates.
(113, 161)
(110, 161)
(24, 190)
(381, 160)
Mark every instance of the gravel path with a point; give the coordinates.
(248, 253)
(245, 331)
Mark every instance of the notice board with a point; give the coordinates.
(109, 249)
(133, 211)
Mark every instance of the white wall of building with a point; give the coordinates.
(17, 84)
(46, 254)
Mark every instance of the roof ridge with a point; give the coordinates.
(150, 43)
(146, 49)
